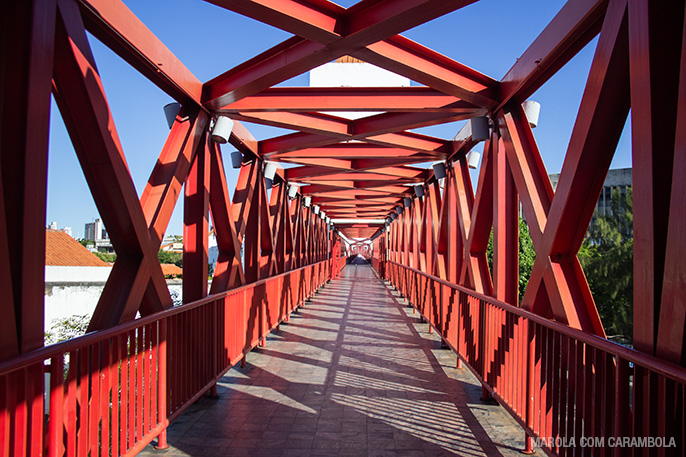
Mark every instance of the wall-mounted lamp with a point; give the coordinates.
(269, 170)
(316, 209)
(419, 190)
(170, 112)
(236, 159)
(222, 129)
(328, 220)
(399, 209)
(439, 170)
(292, 191)
(407, 201)
(394, 215)
(307, 201)
(479, 126)
(322, 214)
(532, 109)
(388, 221)
(473, 159)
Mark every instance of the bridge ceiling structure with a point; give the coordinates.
(354, 170)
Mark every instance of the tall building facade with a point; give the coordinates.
(95, 231)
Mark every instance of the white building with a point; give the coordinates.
(74, 278)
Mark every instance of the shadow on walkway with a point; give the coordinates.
(353, 374)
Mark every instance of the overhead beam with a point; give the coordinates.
(298, 55)
(572, 28)
(113, 23)
(332, 99)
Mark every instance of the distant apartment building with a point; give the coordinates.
(616, 179)
(53, 226)
(95, 231)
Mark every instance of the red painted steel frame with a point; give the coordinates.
(556, 380)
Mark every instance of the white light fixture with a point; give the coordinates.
(307, 201)
(407, 201)
(316, 209)
(170, 112)
(222, 129)
(269, 170)
(532, 109)
(439, 170)
(473, 159)
(419, 190)
(328, 220)
(479, 126)
(292, 191)
(236, 159)
(322, 214)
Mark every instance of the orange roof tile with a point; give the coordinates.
(63, 250)
(169, 269)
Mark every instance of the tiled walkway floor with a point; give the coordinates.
(354, 373)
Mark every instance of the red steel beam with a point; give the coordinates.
(298, 173)
(228, 272)
(655, 36)
(26, 44)
(319, 21)
(113, 23)
(171, 170)
(353, 151)
(297, 55)
(670, 335)
(570, 30)
(312, 99)
(419, 63)
(339, 129)
(196, 225)
(137, 283)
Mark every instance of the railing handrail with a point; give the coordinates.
(664, 368)
(47, 352)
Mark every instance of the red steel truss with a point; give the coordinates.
(272, 245)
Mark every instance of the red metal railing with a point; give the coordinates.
(577, 393)
(112, 392)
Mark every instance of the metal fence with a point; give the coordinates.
(575, 393)
(112, 392)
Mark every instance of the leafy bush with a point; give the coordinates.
(67, 328)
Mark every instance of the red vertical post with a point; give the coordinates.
(27, 31)
(162, 389)
(196, 226)
(505, 230)
(655, 37)
(530, 388)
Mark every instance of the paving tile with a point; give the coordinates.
(354, 373)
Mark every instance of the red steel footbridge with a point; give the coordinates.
(369, 187)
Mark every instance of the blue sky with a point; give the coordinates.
(488, 36)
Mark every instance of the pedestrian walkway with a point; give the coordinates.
(354, 373)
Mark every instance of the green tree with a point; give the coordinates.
(527, 256)
(175, 258)
(87, 243)
(106, 257)
(608, 258)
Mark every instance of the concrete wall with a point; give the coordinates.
(73, 291)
